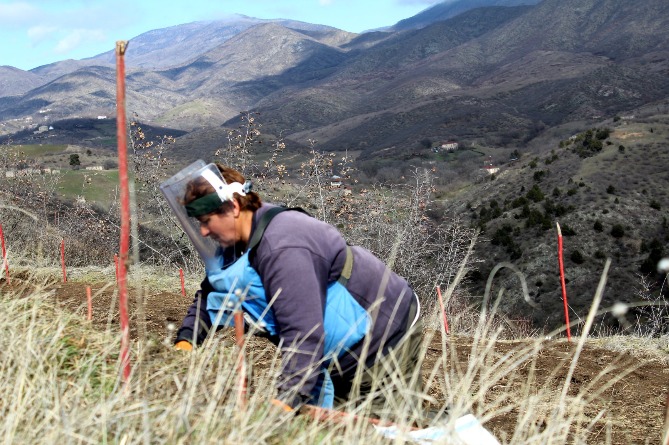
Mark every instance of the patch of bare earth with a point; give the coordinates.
(619, 394)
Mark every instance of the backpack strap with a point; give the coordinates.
(267, 218)
(262, 225)
(348, 267)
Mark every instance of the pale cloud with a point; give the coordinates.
(37, 34)
(77, 37)
(18, 14)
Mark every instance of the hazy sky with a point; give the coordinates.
(38, 32)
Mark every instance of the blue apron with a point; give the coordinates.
(345, 321)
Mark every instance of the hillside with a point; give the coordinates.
(448, 9)
(14, 81)
(496, 74)
(611, 203)
(505, 82)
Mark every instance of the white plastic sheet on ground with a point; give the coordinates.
(466, 431)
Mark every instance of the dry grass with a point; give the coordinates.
(62, 385)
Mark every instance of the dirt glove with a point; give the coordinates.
(183, 345)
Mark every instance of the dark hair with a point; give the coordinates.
(200, 187)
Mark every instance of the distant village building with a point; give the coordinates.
(449, 146)
(94, 167)
(102, 117)
(492, 170)
(28, 172)
(41, 129)
(489, 167)
(335, 181)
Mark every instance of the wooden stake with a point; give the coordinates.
(89, 300)
(564, 287)
(241, 362)
(122, 147)
(5, 262)
(62, 259)
(443, 309)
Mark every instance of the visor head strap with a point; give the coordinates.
(213, 201)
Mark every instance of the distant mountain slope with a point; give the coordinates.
(616, 29)
(541, 74)
(268, 56)
(497, 74)
(395, 73)
(14, 82)
(176, 45)
(452, 8)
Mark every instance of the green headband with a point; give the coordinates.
(204, 205)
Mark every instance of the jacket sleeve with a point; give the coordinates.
(196, 324)
(298, 279)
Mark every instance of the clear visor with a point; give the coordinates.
(175, 190)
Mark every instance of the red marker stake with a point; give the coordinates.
(4, 255)
(122, 147)
(241, 362)
(183, 284)
(62, 259)
(443, 309)
(90, 303)
(564, 287)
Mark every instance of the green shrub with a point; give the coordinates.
(617, 231)
(518, 202)
(610, 189)
(74, 160)
(535, 194)
(598, 226)
(567, 231)
(655, 205)
(603, 133)
(577, 257)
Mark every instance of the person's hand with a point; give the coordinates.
(183, 345)
(282, 406)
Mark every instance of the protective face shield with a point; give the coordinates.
(200, 174)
